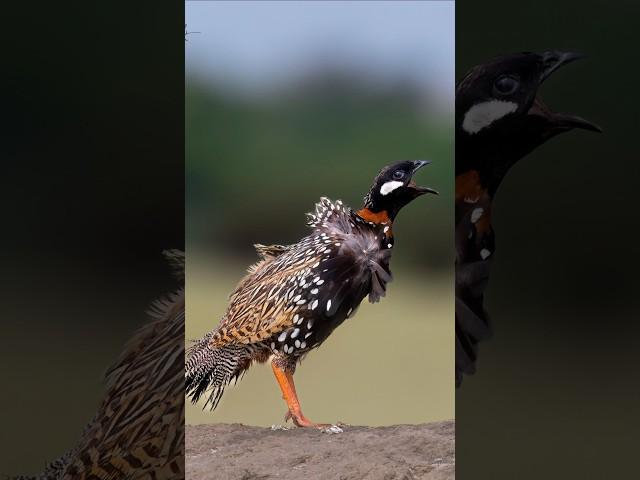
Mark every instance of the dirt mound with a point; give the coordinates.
(235, 451)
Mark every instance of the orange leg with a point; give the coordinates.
(285, 380)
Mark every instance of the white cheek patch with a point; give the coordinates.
(484, 114)
(389, 187)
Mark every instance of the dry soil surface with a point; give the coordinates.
(235, 451)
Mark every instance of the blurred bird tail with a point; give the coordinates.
(211, 369)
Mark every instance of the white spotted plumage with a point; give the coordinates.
(476, 214)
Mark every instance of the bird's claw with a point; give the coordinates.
(332, 429)
(279, 427)
(300, 420)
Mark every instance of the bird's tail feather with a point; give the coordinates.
(211, 369)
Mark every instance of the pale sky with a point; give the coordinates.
(254, 46)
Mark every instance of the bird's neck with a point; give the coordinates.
(469, 186)
(471, 194)
(492, 160)
(379, 218)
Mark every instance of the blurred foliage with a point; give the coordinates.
(257, 163)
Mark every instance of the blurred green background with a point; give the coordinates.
(314, 101)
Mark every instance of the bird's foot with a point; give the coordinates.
(333, 429)
(279, 427)
(299, 420)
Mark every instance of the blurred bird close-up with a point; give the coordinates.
(137, 431)
(500, 118)
(296, 295)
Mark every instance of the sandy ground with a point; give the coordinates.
(403, 452)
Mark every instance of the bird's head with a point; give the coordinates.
(499, 114)
(392, 189)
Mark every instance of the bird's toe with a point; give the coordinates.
(332, 429)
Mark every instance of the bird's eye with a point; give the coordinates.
(506, 84)
(398, 175)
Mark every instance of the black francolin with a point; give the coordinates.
(500, 118)
(296, 295)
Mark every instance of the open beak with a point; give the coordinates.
(567, 122)
(418, 164)
(561, 121)
(551, 61)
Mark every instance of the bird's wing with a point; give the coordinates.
(475, 245)
(266, 301)
(267, 252)
(258, 309)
